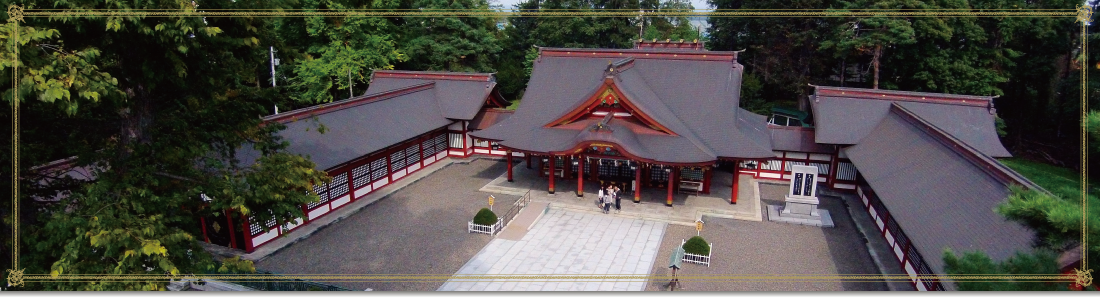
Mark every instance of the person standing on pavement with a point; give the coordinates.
(599, 197)
(618, 208)
(607, 200)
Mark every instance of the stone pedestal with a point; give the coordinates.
(801, 201)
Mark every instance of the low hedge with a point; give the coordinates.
(485, 217)
(697, 245)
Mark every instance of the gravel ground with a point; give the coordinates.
(747, 247)
(420, 229)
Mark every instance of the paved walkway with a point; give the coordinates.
(686, 208)
(567, 242)
(517, 228)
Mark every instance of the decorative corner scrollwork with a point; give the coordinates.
(1084, 278)
(15, 13)
(15, 277)
(1084, 13)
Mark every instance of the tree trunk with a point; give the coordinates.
(843, 69)
(878, 55)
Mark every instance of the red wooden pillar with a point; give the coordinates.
(204, 236)
(419, 145)
(247, 234)
(706, 180)
(389, 167)
(553, 169)
(229, 224)
(834, 166)
(733, 194)
(671, 175)
(638, 183)
(509, 154)
(580, 176)
(528, 157)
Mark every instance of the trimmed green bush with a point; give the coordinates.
(697, 245)
(485, 217)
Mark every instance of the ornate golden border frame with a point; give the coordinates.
(1083, 14)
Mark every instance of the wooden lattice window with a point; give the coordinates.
(361, 175)
(412, 155)
(397, 159)
(378, 169)
(692, 174)
(339, 185)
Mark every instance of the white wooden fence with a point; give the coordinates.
(486, 229)
(695, 258)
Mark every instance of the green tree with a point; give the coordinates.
(1057, 222)
(1040, 262)
(670, 28)
(338, 53)
(178, 96)
(782, 52)
(873, 35)
(466, 44)
(521, 33)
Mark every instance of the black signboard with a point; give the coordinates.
(798, 184)
(809, 184)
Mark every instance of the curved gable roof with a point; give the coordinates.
(846, 115)
(460, 96)
(693, 94)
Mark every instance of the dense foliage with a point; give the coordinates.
(697, 245)
(485, 217)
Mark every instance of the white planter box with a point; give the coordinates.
(695, 258)
(486, 229)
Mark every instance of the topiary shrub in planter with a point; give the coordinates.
(697, 245)
(485, 217)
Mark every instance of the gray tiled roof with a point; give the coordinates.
(846, 119)
(796, 138)
(941, 192)
(457, 99)
(393, 111)
(359, 130)
(695, 99)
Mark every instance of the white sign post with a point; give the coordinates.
(491, 198)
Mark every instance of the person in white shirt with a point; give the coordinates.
(607, 199)
(599, 198)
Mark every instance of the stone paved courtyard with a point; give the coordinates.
(747, 247)
(563, 243)
(420, 229)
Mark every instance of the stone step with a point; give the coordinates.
(523, 222)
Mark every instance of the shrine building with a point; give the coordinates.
(664, 116)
